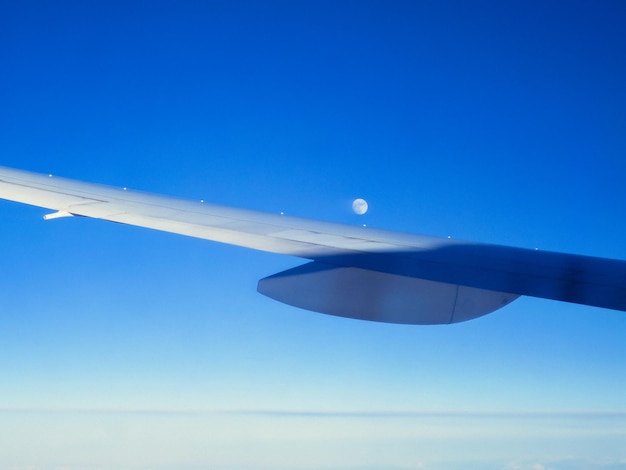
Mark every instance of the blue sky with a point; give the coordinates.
(499, 122)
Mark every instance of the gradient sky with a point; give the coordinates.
(121, 347)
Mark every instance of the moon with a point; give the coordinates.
(359, 206)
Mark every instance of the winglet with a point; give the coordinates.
(57, 215)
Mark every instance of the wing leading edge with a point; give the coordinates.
(355, 272)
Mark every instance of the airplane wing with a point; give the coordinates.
(353, 272)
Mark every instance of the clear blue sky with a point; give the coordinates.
(120, 347)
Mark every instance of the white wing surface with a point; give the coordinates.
(353, 272)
